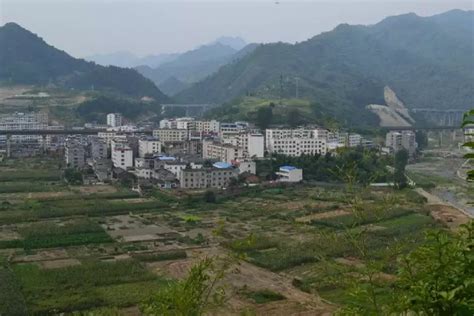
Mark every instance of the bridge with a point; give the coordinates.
(196, 110)
(449, 117)
(422, 128)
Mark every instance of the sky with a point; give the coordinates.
(87, 27)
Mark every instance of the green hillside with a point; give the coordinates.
(428, 62)
(25, 58)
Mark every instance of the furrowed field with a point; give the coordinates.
(76, 248)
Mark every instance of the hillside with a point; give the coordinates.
(427, 61)
(129, 60)
(197, 64)
(26, 58)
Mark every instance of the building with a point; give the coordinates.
(98, 148)
(122, 155)
(246, 166)
(221, 152)
(397, 140)
(75, 154)
(148, 145)
(114, 119)
(207, 127)
(290, 174)
(253, 145)
(219, 176)
(171, 135)
(295, 142)
(187, 147)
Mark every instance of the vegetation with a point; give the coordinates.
(401, 160)
(192, 296)
(363, 165)
(51, 65)
(263, 296)
(89, 285)
(73, 176)
(97, 109)
(336, 68)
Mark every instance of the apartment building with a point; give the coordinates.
(207, 127)
(148, 145)
(187, 147)
(397, 140)
(114, 119)
(219, 176)
(252, 144)
(171, 135)
(98, 148)
(295, 142)
(122, 155)
(75, 154)
(221, 152)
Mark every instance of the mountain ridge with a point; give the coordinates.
(25, 58)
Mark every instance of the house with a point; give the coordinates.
(290, 174)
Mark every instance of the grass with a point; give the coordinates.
(90, 285)
(263, 296)
(12, 301)
(162, 256)
(48, 235)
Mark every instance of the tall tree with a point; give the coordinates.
(401, 160)
(264, 117)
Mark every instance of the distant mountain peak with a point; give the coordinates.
(235, 42)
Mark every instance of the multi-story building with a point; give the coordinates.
(252, 144)
(219, 176)
(109, 136)
(122, 155)
(187, 147)
(98, 148)
(171, 135)
(148, 145)
(397, 140)
(114, 119)
(221, 152)
(74, 154)
(295, 142)
(211, 126)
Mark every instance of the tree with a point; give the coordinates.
(438, 277)
(209, 196)
(73, 176)
(421, 139)
(401, 160)
(193, 296)
(264, 117)
(294, 118)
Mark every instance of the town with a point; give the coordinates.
(182, 152)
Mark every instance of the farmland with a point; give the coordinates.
(301, 248)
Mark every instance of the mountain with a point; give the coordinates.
(129, 60)
(172, 85)
(236, 43)
(26, 58)
(197, 64)
(427, 61)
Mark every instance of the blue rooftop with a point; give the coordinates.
(222, 165)
(166, 158)
(287, 168)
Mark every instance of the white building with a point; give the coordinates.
(74, 154)
(253, 145)
(148, 146)
(247, 166)
(114, 119)
(398, 140)
(171, 135)
(295, 142)
(211, 126)
(222, 152)
(122, 155)
(290, 174)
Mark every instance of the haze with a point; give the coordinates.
(84, 28)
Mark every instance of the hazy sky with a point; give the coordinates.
(86, 27)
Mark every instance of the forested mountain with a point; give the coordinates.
(427, 61)
(197, 64)
(25, 58)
